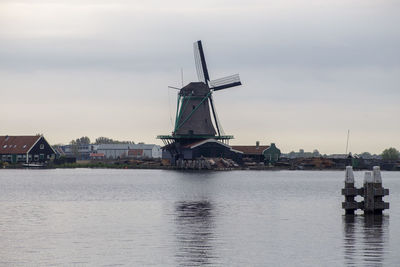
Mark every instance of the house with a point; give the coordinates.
(254, 153)
(259, 153)
(271, 154)
(26, 149)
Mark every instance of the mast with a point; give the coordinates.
(347, 143)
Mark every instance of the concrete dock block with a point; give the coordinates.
(377, 175)
(368, 177)
(349, 175)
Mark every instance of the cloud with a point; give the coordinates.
(310, 69)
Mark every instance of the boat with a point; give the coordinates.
(34, 165)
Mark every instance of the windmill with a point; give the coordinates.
(195, 111)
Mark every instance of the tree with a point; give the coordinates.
(390, 154)
(366, 155)
(84, 140)
(103, 140)
(106, 140)
(74, 148)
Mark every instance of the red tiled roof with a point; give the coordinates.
(251, 150)
(17, 144)
(97, 154)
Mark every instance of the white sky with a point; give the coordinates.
(310, 69)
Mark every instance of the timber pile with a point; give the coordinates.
(372, 192)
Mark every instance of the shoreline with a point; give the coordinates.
(140, 167)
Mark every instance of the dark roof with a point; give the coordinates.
(195, 89)
(17, 144)
(59, 150)
(210, 140)
(251, 150)
(194, 143)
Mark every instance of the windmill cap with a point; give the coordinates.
(368, 177)
(349, 176)
(377, 174)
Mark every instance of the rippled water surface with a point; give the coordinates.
(87, 217)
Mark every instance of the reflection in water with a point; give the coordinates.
(194, 221)
(365, 238)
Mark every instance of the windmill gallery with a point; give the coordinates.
(194, 136)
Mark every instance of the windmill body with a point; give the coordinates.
(196, 119)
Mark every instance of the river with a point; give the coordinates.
(103, 217)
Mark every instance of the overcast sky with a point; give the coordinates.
(310, 69)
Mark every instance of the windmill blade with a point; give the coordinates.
(216, 120)
(225, 82)
(215, 115)
(200, 60)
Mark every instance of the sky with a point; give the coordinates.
(311, 70)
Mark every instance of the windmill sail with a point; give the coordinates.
(225, 82)
(201, 66)
(220, 131)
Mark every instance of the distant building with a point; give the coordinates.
(25, 149)
(139, 151)
(302, 154)
(97, 156)
(144, 151)
(80, 152)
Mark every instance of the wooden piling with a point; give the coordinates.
(372, 192)
(369, 187)
(379, 192)
(349, 192)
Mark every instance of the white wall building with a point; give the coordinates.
(140, 151)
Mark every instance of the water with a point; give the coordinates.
(88, 217)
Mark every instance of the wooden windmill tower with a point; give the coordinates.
(196, 114)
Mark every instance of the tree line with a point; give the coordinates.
(84, 140)
(390, 154)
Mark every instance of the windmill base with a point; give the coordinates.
(181, 150)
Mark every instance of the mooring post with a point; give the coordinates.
(369, 193)
(349, 191)
(379, 191)
(373, 193)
